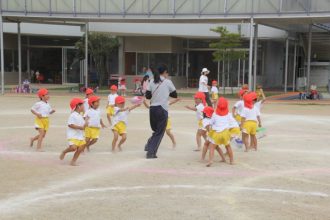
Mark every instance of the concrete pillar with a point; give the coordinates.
(250, 55)
(28, 65)
(309, 51)
(255, 59)
(286, 65)
(2, 62)
(86, 55)
(243, 78)
(238, 72)
(121, 56)
(19, 54)
(294, 67)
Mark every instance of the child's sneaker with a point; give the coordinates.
(238, 141)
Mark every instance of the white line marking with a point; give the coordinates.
(26, 200)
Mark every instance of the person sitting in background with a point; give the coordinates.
(26, 86)
(314, 94)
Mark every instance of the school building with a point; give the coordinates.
(287, 42)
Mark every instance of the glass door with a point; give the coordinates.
(71, 66)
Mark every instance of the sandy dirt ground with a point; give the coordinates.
(288, 178)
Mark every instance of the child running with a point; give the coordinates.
(207, 114)
(119, 122)
(42, 110)
(220, 135)
(111, 102)
(169, 122)
(93, 115)
(89, 92)
(214, 93)
(238, 106)
(200, 104)
(250, 121)
(75, 130)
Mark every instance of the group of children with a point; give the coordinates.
(216, 125)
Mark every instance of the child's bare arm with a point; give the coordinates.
(36, 113)
(234, 111)
(76, 127)
(259, 121)
(242, 123)
(133, 107)
(191, 108)
(146, 104)
(102, 124)
(52, 111)
(173, 101)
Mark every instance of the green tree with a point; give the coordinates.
(226, 48)
(100, 47)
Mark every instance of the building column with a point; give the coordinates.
(238, 72)
(19, 55)
(187, 64)
(218, 73)
(243, 78)
(255, 59)
(294, 67)
(28, 66)
(286, 65)
(86, 55)
(2, 58)
(250, 55)
(309, 55)
(121, 56)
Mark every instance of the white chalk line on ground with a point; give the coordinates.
(11, 205)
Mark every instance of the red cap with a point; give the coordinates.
(249, 98)
(120, 100)
(242, 92)
(114, 88)
(200, 95)
(93, 99)
(214, 82)
(222, 107)
(89, 91)
(42, 92)
(74, 102)
(208, 110)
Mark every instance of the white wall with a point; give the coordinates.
(181, 30)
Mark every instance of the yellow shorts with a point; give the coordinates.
(120, 127)
(215, 96)
(169, 124)
(238, 118)
(220, 138)
(200, 124)
(41, 123)
(110, 110)
(235, 131)
(250, 127)
(76, 142)
(92, 133)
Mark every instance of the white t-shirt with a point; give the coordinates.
(203, 80)
(199, 112)
(78, 120)
(214, 90)
(250, 114)
(42, 108)
(120, 116)
(86, 105)
(258, 105)
(94, 117)
(206, 122)
(219, 123)
(232, 122)
(112, 99)
(239, 107)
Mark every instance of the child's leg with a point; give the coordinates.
(211, 155)
(204, 134)
(254, 142)
(41, 136)
(122, 141)
(220, 152)
(33, 139)
(76, 155)
(69, 149)
(88, 143)
(198, 140)
(204, 151)
(230, 153)
(114, 141)
(245, 138)
(109, 118)
(169, 133)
